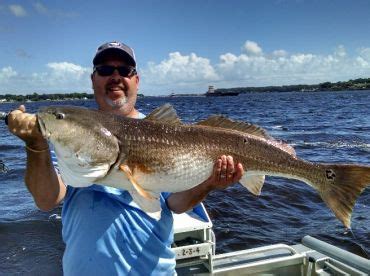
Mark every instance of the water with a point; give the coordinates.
(323, 127)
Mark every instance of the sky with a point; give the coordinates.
(184, 46)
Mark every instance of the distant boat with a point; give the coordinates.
(218, 94)
(213, 93)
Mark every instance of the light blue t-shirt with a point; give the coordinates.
(106, 234)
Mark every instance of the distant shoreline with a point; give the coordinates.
(241, 93)
(351, 85)
(2, 100)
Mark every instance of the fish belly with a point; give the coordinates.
(184, 173)
(176, 179)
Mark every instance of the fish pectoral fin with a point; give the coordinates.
(126, 169)
(150, 206)
(253, 183)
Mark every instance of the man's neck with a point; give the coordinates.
(133, 114)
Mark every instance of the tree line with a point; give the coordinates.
(357, 84)
(46, 97)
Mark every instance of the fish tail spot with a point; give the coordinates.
(342, 186)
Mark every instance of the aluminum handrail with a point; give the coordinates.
(262, 250)
(337, 253)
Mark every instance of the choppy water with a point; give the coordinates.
(323, 127)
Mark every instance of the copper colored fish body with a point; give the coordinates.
(160, 154)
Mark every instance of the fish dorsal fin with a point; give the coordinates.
(165, 113)
(251, 129)
(283, 146)
(223, 122)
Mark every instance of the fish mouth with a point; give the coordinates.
(42, 127)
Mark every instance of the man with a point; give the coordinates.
(104, 231)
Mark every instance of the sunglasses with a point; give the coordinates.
(108, 70)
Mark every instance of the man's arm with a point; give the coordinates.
(224, 174)
(41, 179)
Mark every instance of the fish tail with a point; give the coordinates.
(340, 186)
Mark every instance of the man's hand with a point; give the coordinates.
(24, 125)
(41, 179)
(225, 173)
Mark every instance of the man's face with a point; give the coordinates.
(115, 93)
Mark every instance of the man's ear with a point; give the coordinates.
(92, 80)
(137, 81)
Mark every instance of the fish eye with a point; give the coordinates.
(59, 116)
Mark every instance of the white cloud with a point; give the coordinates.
(252, 48)
(282, 68)
(44, 10)
(62, 76)
(362, 62)
(40, 8)
(181, 69)
(365, 53)
(192, 73)
(6, 74)
(279, 53)
(17, 10)
(340, 51)
(68, 70)
(253, 67)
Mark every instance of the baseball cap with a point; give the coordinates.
(116, 48)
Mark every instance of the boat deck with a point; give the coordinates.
(195, 250)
